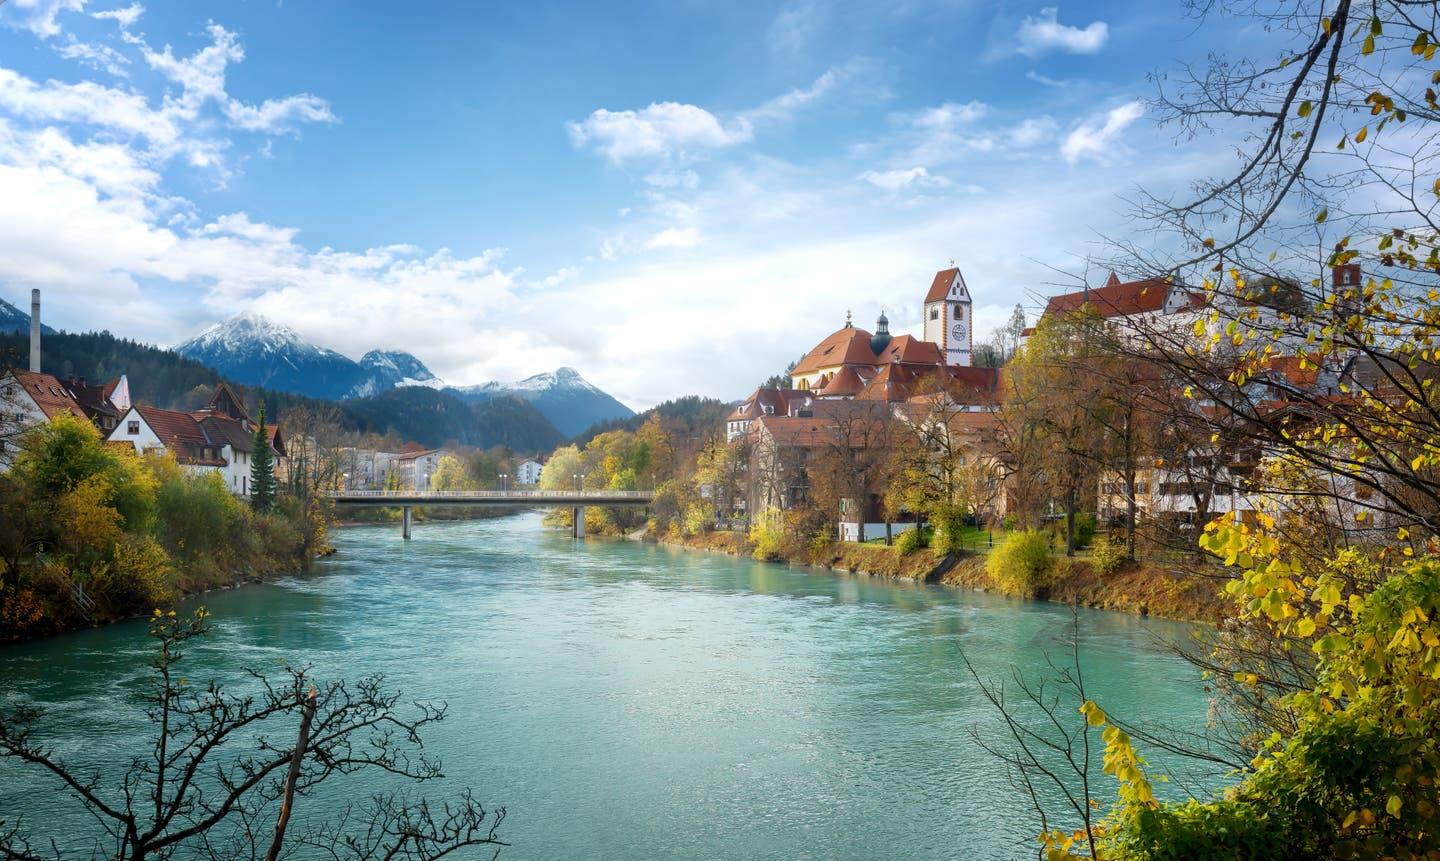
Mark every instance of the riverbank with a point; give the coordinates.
(1139, 588)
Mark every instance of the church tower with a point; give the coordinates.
(947, 317)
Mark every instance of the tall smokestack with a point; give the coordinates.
(35, 331)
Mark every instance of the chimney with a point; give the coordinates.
(35, 331)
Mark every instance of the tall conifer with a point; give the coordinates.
(262, 470)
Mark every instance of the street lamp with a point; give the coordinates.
(577, 482)
(503, 476)
(346, 477)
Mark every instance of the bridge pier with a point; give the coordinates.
(405, 522)
(577, 521)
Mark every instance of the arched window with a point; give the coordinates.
(959, 312)
(935, 313)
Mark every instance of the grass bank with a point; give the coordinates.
(1140, 588)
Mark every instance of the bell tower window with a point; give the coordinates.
(959, 312)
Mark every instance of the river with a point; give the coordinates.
(628, 701)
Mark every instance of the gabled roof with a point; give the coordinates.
(941, 285)
(94, 399)
(182, 435)
(226, 403)
(169, 425)
(911, 351)
(845, 384)
(411, 455)
(772, 402)
(847, 346)
(50, 395)
(223, 430)
(965, 385)
(1117, 299)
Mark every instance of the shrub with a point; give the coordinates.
(767, 533)
(1021, 566)
(1107, 556)
(949, 529)
(907, 542)
(1084, 529)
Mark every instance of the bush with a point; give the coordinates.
(907, 542)
(767, 533)
(1021, 566)
(949, 529)
(1107, 556)
(1084, 529)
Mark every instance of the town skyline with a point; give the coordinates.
(700, 190)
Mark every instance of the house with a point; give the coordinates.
(527, 472)
(1143, 308)
(414, 470)
(220, 438)
(28, 398)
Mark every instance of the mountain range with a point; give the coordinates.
(564, 397)
(256, 351)
(15, 321)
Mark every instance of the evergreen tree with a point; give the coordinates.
(262, 470)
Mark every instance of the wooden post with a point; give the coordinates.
(307, 714)
(405, 521)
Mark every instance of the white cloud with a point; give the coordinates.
(96, 56)
(896, 180)
(38, 16)
(795, 27)
(1032, 131)
(784, 106)
(950, 116)
(673, 179)
(275, 115)
(675, 237)
(662, 130)
(1097, 137)
(1047, 81)
(1044, 34)
(125, 17)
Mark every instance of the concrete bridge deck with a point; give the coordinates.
(576, 499)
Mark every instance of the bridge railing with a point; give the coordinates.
(490, 494)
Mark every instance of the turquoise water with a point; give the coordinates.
(630, 701)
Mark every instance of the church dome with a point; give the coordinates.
(881, 339)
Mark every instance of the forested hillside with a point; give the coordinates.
(691, 414)
(165, 379)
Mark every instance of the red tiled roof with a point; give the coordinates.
(1301, 372)
(963, 384)
(941, 285)
(182, 435)
(48, 393)
(911, 351)
(1117, 299)
(845, 383)
(847, 346)
(169, 425)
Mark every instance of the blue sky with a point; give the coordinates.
(673, 198)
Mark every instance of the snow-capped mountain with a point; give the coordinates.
(391, 369)
(14, 320)
(564, 397)
(255, 351)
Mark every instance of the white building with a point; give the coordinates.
(527, 471)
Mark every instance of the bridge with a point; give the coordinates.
(577, 500)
